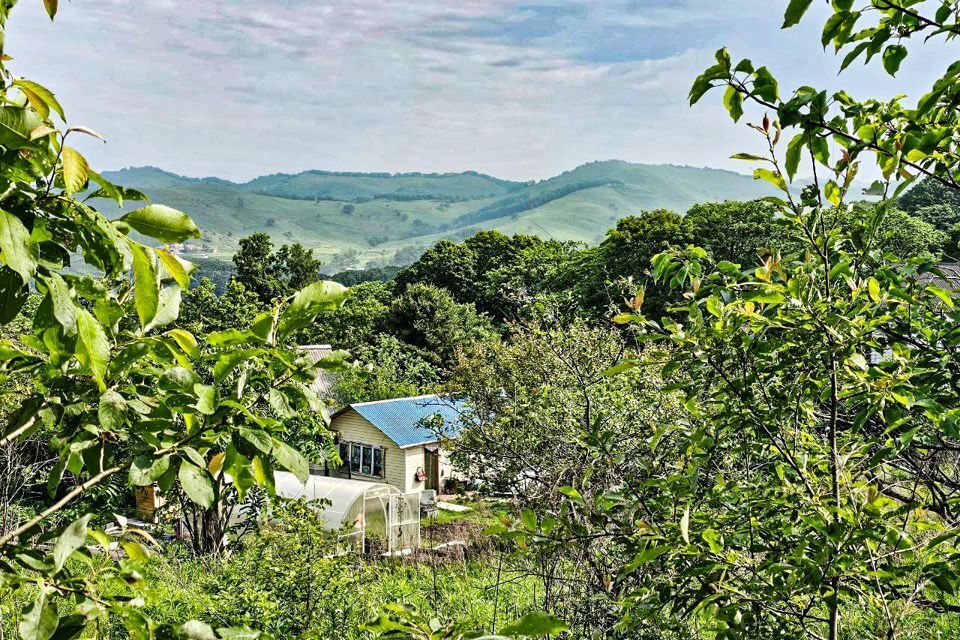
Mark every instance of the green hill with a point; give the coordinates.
(354, 219)
(361, 187)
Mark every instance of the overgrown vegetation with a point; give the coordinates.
(737, 421)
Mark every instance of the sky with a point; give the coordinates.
(520, 90)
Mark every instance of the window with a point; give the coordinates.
(363, 459)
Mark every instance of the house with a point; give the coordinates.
(948, 278)
(323, 385)
(398, 441)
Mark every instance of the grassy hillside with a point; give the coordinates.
(360, 187)
(359, 219)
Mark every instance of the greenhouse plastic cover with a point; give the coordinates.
(346, 497)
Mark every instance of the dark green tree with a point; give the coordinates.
(271, 274)
(928, 193)
(739, 232)
(430, 319)
(602, 276)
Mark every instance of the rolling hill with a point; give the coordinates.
(356, 219)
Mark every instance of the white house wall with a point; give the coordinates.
(353, 427)
(415, 459)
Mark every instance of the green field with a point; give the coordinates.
(374, 219)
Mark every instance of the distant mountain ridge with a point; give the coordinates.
(353, 219)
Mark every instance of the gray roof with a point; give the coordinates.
(950, 279)
(323, 386)
(402, 419)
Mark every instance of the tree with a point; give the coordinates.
(296, 266)
(203, 310)
(431, 320)
(115, 387)
(358, 323)
(271, 274)
(446, 265)
(739, 232)
(393, 369)
(816, 468)
(931, 193)
(255, 267)
(896, 231)
(489, 270)
(602, 276)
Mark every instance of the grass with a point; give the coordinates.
(374, 231)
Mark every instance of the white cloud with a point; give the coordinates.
(523, 90)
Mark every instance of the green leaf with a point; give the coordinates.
(39, 621)
(853, 55)
(535, 624)
(794, 150)
(685, 525)
(573, 494)
(765, 85)
(51, 7)
(747, 156)
(146, 292)
(264, 325)
(620, 367)
(231, 338)
(943, 294)
(832, 192)
(76, 170)
(16, 126)
(146, 469)
(17, 250)
(186, 341)
(196, 484)
(764, 297)
(893, 56)
(238, 633)
(873, 288)
(772, 177)
(168, 309)
(820, 150)
(162, 223)
(258, 438)
(291, 460)
(13, 294)
(70, 540)
(794, 12)
(177, 268)
(179, 379)
(93, 348)
(713, 539)
(832, 27)
(229, 361)
(308, 302)
(61, 303)
(208, 398)
(111, 411)
(280, 404)
(136, 551)
(733, 101)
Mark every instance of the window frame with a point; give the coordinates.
(366, 451)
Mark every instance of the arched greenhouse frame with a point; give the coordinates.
(370, 515)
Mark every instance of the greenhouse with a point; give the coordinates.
(372, 516)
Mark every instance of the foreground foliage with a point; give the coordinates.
(113, 388)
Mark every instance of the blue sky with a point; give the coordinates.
(521, 90)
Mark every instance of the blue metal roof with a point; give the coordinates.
(402, 419)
